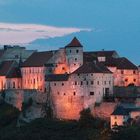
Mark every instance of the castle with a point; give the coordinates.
(74, 79)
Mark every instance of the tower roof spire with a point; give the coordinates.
(74, 43)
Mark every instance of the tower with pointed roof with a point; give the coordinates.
(74, 54)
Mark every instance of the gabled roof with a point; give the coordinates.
(120, 63)
(38, 59)
(74, 43)
(14, 73)
(91, 67)
(57, 77)
(5, 67)
(120, 111)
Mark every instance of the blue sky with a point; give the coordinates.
(99, 24)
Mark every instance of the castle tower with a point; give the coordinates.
(74, 55)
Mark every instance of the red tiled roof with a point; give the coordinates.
(91, 67)
(38, 59)
(74, 43)
(5, 67)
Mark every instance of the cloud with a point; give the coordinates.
(25, 33)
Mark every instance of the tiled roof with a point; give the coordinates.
(74, 43)
(120, 111)
(57, 77)
(91, 67)
(105, 53)
(120, 63)
(89, 57)
(38, 59)
(14, 73)
(5, 67)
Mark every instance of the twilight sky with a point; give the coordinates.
(50, 24)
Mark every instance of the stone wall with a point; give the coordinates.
(104, 110)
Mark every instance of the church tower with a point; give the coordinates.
(74, 55)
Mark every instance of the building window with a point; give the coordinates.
(92, 82)
(126, 80)
(30, 70)
(122, 72)
(115, 124)
(98, 82)
(81, 82)
(91, 93)
(58, 93)
(74, 93)
(77, 51)
(105, 82)
(70, 51)
(54, 84)
(63, 68)
(91, 74)
(64, 94)
(87, 82)
(78, 74)
(75, 83)
(75, 59)
(14, 84)
(115, 117)
(62, 84)
(134, 80)
(109, 82)
(134, 72)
